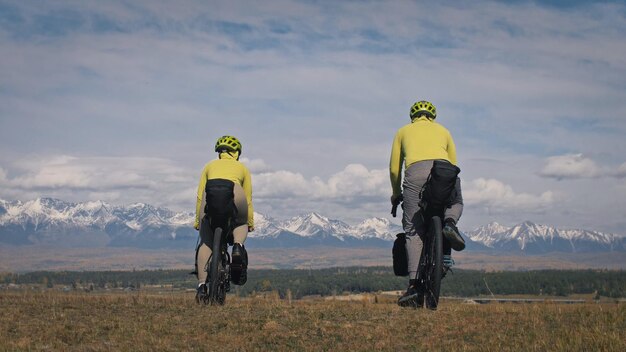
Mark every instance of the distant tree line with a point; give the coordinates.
(100, 279)
(335, 281)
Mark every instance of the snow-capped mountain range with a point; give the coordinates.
(55, 222)
(316, 225)
(535, 239)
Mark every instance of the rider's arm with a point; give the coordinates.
(451, 149)
(247, 188)
(200, 194)
(395, 165)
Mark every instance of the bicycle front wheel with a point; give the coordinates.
(214, 267)
(434, 266)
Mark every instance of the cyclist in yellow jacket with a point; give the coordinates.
(228, 167)
(417, 145)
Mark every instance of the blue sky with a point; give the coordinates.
(122, 101)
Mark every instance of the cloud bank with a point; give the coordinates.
(570, 166)
(116, 179)
(355, 190)
(501, 198)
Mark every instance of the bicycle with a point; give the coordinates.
(218, 278)
(219, 218)
(430, 269)
(217, 267)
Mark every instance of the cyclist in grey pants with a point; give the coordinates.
(417, 145)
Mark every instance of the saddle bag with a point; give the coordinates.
(220, 200)
(440, 188)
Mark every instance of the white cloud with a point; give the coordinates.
(285, 184)
(160, 181)
(256, 165)
(570, 166)
(354, 181)
(121, 179)
(357, 180)
(93, 173)
(501, 198)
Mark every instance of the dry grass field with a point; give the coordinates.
(142, 321)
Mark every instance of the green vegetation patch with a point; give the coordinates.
(335, 281)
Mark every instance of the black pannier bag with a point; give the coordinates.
(220, 201)
(440, 187)
(400, 256)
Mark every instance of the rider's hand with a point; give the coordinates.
(250, 228)
(196, 226)
(396, 199)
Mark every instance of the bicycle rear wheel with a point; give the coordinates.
(214, 268)
(434, 263)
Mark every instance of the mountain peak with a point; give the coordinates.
(377, 228)
(375, 221)
(312, 224)
(528, 225)
(317, 219)
(43, 206)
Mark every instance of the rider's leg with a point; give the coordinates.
(452, 216)
(414, 178)
(203, 257)
(455, 210)
(447, 250)
(447, 254)
(204, 252)
(240, 233)
(239, 267)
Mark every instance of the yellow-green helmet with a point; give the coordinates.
(228, 143)
(423, 107)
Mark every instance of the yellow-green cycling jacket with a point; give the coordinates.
(422, 139)
(229, 168)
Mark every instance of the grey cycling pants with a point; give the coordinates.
(414, 178)
(240, 232)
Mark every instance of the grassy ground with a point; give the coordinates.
(149, 322)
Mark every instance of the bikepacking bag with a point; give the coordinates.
(440, 188)
(400, 256)
(220, 199)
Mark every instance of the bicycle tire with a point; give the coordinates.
(214, 272)
(434, 265)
